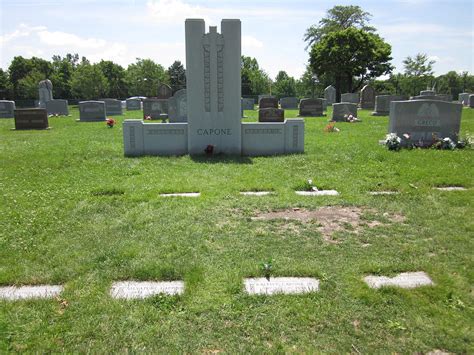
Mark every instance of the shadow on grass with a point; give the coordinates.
(221, 159)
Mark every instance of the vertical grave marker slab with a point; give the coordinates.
(350, 97)
(464, 98)
(92, 111)
(281, 285)
(164, 92)
(7, 109)
(330, 94)
(382, 104)
(57, 107)
(290, 103)
(367, 97)
(178, 107)
(268, 102)
(45, 92)
(248, 104)
(311, 107)
(342, 110)
(133, 104)
(113, 107)
(31, 118)
(271, 115)
(155, 109)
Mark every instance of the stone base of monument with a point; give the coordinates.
(257, 139)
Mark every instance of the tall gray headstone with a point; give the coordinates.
(7, 109)
(422, 119)
(289, 103)
(367, 97)
(57, 107)
(311, 107)
(471, 101)
(92, 111)
(113, 107)
(382, 104)
(464, 98)
(248, 103)
(45, 91)
(341, 111)
(178, 107)
(164, 92)
(133, 104)
(155, 109)
(351, 97)
(213, 86)
(330, 95)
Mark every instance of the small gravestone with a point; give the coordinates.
(464, 98)
(318, 193)
(164, 92)
(45, 91)
(264, 96)
(182, 194)
(145, 289)
(471, 101)
(7, 108)
(403, 280)
(425, 119)
(268, 102)
(289, 103)
(281, 285)
(311, 107)
(255, 193)
(248, 103)
(271, 115)
(57, 107)
(341, 111)
(351, 97)
(325, 104)
(31, 118)
(113, 107)
(133, 104)
(382, 104)
(178, 107)
(367, 97)
(330, 94)
(427, 92)
(155, 109)
(13, 293)
(432, 97)
(92, 111)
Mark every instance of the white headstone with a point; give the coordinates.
(283, 285)
(144, 289)
(403, 280)
(13, 293)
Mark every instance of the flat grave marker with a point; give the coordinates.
(318, 193)
(403, 280)
(14, 293)
(145, 289)
(281, 285)
(181, 194)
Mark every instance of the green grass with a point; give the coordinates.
(75, 211)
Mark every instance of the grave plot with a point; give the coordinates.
(145, 289)
(13, 293)
(403, 280)
(281, 285)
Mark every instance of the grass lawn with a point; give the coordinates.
(75, 211)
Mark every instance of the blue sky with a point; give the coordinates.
(272, 31)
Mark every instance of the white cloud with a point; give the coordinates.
(251, 42)
(173, 11)
(22, 31)
(61, 39)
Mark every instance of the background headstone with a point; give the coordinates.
(45, 91)
(31, 118)
(311, 107)
(427, 92)
(178, 107)
(330, 94)
(268, 102)
(471, 101)
(342, 110)
(164, 92)
(271, 114)
(57, 107)
(441, 97)
(325, 104)
(113, 107)
(92, 111)
(263, 96)
(382, 104)
(367, 97)
(7, 108)
(351, 97)
(464, 98)
(133, 104)
(422, 119)
(248, 103)
(155, 108)
(289, 102)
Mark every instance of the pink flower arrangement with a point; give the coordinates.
(110, 122)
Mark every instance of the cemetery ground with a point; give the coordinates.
(75, 212)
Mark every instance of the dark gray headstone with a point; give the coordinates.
(311, 107)
(268, 102)
(341, 111)
(367, 97)
(427, 92)
(113, 107)
(45, 91)
(289, 102)
(471, 101)
(447, 98)
(382, 104)
(155, 108)
(164, 92)
(57, 107)
(92, 111)
(7, 108)
(133, 104)
(264, 96)
(422, 119)
(31, 118)
(351, 97)
(464, 98)
(271, 114)
(248, 103)
(178, 107)
(330, 94)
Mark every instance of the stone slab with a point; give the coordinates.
(155, 108)
(7, 109)
(281, 285)
(403, 280)
(57, 107)
(248, 103)
(271, 114)
(342, 110)
(268, 102)
(31, 118)
(351, 97)
(133, 104)
(113, 107)
(318, 193)
(451, 188)
(13, 293)
(311, 107)
(143, 289)
(330, 94)
(255, 193)
(376, 193)
(289, 103)
(382, 104)
(367, 97)
(464, 98)
(182, 194)
(92, 111)
(178, 107)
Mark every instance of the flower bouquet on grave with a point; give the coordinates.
(209, 149)
(110, 122)
(147, 118)
(392, 141)
(443, 144)
(331, 128)
(351, 119)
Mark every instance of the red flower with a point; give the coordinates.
(110, 122)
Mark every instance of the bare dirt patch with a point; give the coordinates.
(330, 219)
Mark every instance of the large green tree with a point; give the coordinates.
(254, 80)
(177, 75)
(284, 85)
(419, 72)
(348, 54)
(115, 75)
(5, 86)
(144, 77)
(88, 82)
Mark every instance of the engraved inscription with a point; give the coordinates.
(428, 123)
(132, 138)
(295, 137)
(178, 132)
(263, 131)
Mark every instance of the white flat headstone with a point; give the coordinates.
(451, 188)
(255, 193)
(376, 193)
(403, 280)
(284, 285)
(182, 194)
(27, 292)
(144, 289)
(318, 193)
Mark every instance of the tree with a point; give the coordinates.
(4, 85)
(177, 75)
(284, 85)
(115, 75)
(338, 18)
(62, 73)
(254, 80)
(144, 77)
(28, 86)
(88, 82)
(351, 53)
(18, 69)
(420, 65)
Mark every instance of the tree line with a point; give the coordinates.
(344, 51)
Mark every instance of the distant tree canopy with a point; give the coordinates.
(254, 80)
(177, 75)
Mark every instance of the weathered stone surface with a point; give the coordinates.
(382, 104)
(57, 107)
(133, 104)
(182, 194)
(178, 107)
(45, 91)
(31, 118)
(155, 108)
(318, 193)
(376, 193)
(432, 97)
(255, 193)
(281, 285)
(7, 109)
(14, 293)
(464, 98)
(403, 280)
(289, 103)
(164, 92)
(471, 101)
(330, 94)
(427, 92)
(367, 97)
(351, 97)
(264, 96)
(145, 289)
(342, 110)
(92, 111)
(248, 103)
(113, 107)
(268, 102)
(271, 115)
(451, 188)
(423, 119)
(311, 107)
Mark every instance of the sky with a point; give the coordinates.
(272, 31)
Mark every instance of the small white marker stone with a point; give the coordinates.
(255, 193)
(376, 193)
(182, 194)
(13, 293)
(451, 188)
(284, 285)
(403, 280)
(144, 289)
(318, 193)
